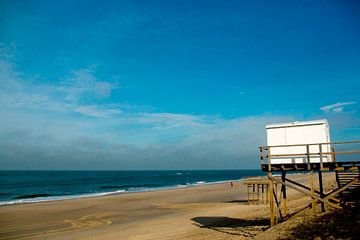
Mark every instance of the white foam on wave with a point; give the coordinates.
(199, 182)
(57, 198)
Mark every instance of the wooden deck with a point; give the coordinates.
(327, 166)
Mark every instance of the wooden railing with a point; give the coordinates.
(266, 155)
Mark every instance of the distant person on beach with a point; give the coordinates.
(231, 184)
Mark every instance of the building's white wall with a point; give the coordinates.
(298, 134)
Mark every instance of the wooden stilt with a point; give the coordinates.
(283, 188)
(276, 205)
(313, 203)
(248, 194)
(321, 191)
(267, 193)
(278, 215)
(253, 193)
(271, 200)
(271, 189)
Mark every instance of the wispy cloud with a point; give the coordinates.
(171, 119)
(78, 93)
(95, 111)
(82, 82)
(336, 107)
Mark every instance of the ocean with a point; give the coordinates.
(36, 186)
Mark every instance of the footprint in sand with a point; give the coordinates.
(89, 221)
(85, 222)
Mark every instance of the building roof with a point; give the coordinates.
(298, 123)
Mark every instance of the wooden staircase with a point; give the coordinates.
(350, 196)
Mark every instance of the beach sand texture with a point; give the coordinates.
(216, 211)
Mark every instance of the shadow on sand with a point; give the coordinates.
(234, 226)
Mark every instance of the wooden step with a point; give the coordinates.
(351, 195)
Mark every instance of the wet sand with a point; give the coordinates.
(216, 211)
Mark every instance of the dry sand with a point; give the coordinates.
(216, 211)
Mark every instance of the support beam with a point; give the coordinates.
(271, 200)
(313, 203)
(283, 190)
(266, 188)
(254, 194)
(308, 157)
(271, 187)
(340, 189)
(278, 207)
(300, 185)
(321, 190)
(248, 194)
(307, 193)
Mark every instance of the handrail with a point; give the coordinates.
(306, 152)
(311, 144)
(313, 154)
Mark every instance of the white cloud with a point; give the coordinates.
(170, 119)
(64, 97)
(94, 111)
(337, 107)
(82, 83)
(103, 89)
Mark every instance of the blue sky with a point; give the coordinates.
(170, 84)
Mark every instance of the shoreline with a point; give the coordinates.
(121, 191)
(116, 192)
(70, 185)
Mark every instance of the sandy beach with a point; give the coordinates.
(216, 211)
(142, 120)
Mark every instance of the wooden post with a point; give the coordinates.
(321, 157)
(271, 201)
(248, 193)
(277, 206)
(308, 157)
(321, 191)
(258, 193)
(271, 187)
(283, 188)
(332, 153)
(253, 193)
(320, 178)
(313, 203)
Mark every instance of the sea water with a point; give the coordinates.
(37, 186)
